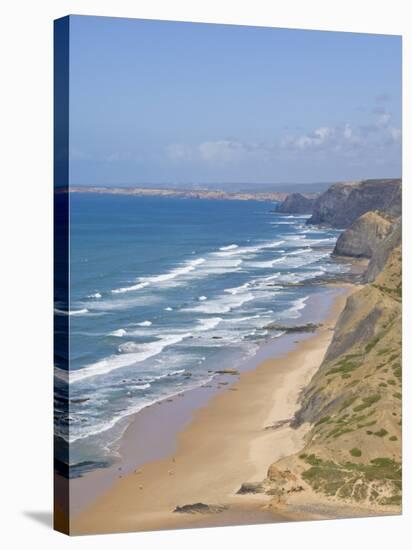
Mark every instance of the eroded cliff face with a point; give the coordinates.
(296, 203)
(352, 451)
(383, 251)
(343, 203)
(364, 236)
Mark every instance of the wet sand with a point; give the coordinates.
(227, 441)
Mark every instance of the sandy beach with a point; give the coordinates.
(231, 440)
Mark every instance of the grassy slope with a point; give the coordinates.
(353, 403)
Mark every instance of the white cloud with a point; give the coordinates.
(222, 150)
(347, 132)
(345, 142)
(178, 152)
(314, 139)
(383, 119)
(395, 133)
(215, 151)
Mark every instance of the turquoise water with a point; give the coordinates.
(163, 292)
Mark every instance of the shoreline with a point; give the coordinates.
(158, 424)
(170, 192)
(227, 440)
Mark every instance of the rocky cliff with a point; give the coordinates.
(296, 203)
(352, 451)
(364, 236)
(383, 251)
(353, 404)
(343, 203)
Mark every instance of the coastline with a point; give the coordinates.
(228, 440)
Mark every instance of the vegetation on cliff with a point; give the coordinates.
(352, 451)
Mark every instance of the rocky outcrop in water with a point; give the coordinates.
(296, 203)
(251, 487)
(343, 203)
(308, 327)
(364, 236)
(200, 508)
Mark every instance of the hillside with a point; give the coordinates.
(343, 203)
(352, 451)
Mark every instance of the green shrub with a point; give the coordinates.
(367, 424)
(367, 402)
(393, 500)
(381, 433)
(355, 452)
(348, 402)
(323, 420)
(371, 344)
(397, 372)
(352, 479)
(344, 367)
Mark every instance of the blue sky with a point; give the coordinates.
(166, 102)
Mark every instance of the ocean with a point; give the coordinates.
(163, 292)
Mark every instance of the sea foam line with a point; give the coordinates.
(143, 282)
(212, 266)
(82, 311)
(132, 353)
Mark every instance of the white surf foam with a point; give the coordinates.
(82, 311)
(248, 250)
(143, 282)
(132, 353)
(183, 270)
(208, 324)
(299, 251)
(237, 289)
(262, 264)
(137, 286)
(119, 332)
(229, 247)
(295, 310)
(222, 304)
